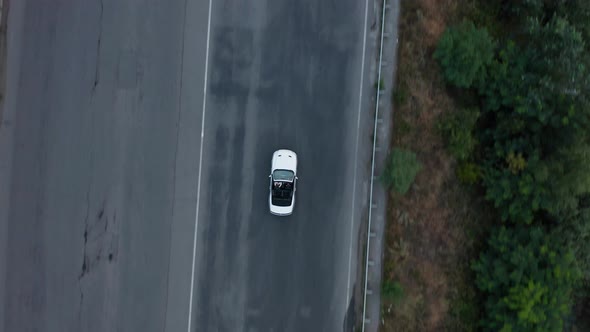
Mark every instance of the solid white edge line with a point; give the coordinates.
(358, 125)
(190, 306)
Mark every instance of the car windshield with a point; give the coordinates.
(283, 175)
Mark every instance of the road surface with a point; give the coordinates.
(93, 151)
(101, 167)
(283, 74)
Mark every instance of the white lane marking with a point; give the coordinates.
(358, 126)
(190, 306)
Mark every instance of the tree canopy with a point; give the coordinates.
(528, 281)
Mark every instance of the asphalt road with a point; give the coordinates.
(93, 151)
(100, 154)
(283, 74)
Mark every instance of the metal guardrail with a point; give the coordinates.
(379, 89)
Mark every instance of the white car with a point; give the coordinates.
(283, 178)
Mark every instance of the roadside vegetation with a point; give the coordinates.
(489, 219)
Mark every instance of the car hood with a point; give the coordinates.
(284, 159)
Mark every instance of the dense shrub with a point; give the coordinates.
(401, 170)
(463, 53)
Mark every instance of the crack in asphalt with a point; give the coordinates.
(96, 68)
(84, 263)
(84, 260)
(91, 157)
(96, 234)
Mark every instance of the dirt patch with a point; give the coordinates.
(432, 230)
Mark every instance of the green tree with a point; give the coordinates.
(577, 12)
(528, 281)
(568, 177)
(504, 86)
(557, 77)
(537, 156)
(543, 83)
(401, 170)
(521, 185)
(463, 53)
(523, 9)
(515, 186)
(573, 232)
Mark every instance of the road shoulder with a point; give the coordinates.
(382, 138)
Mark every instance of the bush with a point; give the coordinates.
(401, 170)
(392, 291)
(457, 130)
(528, 280)
(468, 173)
(464, 52)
